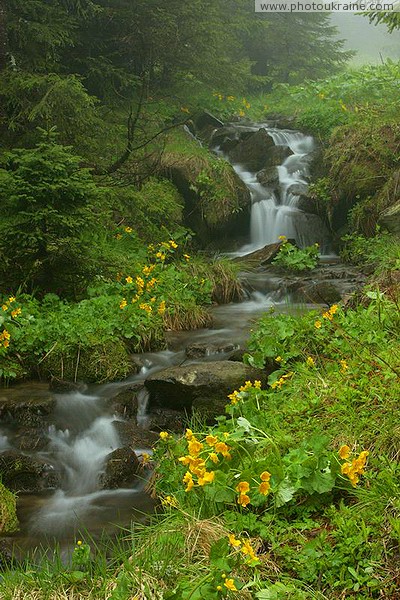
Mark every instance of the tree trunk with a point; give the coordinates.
(3, 35)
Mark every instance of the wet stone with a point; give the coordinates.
(121, 470)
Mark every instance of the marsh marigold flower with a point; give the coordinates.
(243, 500)
(164, 435)
(344, 452)
(230, 585)
(243, 487)
(234, 541)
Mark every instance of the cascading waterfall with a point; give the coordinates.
(275, 211)
(78, 449)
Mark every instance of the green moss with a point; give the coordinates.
(8, 512)
(100, 363)
(214, 194)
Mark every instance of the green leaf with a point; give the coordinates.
(284, 493)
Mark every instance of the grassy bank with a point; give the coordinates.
(292, 494)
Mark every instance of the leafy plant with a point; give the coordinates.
(296, 259)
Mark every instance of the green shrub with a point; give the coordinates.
(296, 259)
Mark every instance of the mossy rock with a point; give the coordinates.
(217, 202)
(100, 363)
(8, 511)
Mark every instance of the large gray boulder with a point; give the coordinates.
(201, 387)
(253, 152)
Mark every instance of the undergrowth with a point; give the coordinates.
(293, 493)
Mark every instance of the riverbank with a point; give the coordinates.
(306, 525)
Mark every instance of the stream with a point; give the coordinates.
(84, 429)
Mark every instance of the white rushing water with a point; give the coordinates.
(78, 449)
(275, 211)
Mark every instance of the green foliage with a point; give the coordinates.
(154, 210)
(296, 259)
(47, 201)
(8, 511)
(32, 100)
(381, 251)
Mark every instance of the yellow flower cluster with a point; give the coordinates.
(310, 362)
(243, 487)
(331, 312)
(5, 338)
(169, 501)
(243, 546)
(198, 454)
(7, 304)
(236, 396)
(279, 382)
(343, 366)
(144, 285)
(356, 467)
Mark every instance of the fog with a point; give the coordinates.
(372, 43)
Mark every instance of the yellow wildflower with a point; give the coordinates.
(243, 487)
(169, 501)
(214, 458)
(197, 466)
(279, 359)
(11, 299)
(186, 257)
(208, 477)
(4, 307)
(327, 315)
(118, 236)
(264, 488)
(318, 324)
(257, 384)
(161, 256)
(16, 312)
(123, 303)
(164, 435)
(145, 307)
(234, 397)
(343, 366)
(129, 279)
(128, 229)
(161, 308)
(184, 109)
(265, 476)
(242, 113)
(194, 447)
(79, 543)
(344, 452)
(243, 500)
(333, 309)
(282, 238)
(173, 244)
(310, 361)
(146, 458)
(222, 448)
(230, 585)
(211, 440)
(248, 549)
(188, 479)
(189, 434)
(147, 270)
(233, 541)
